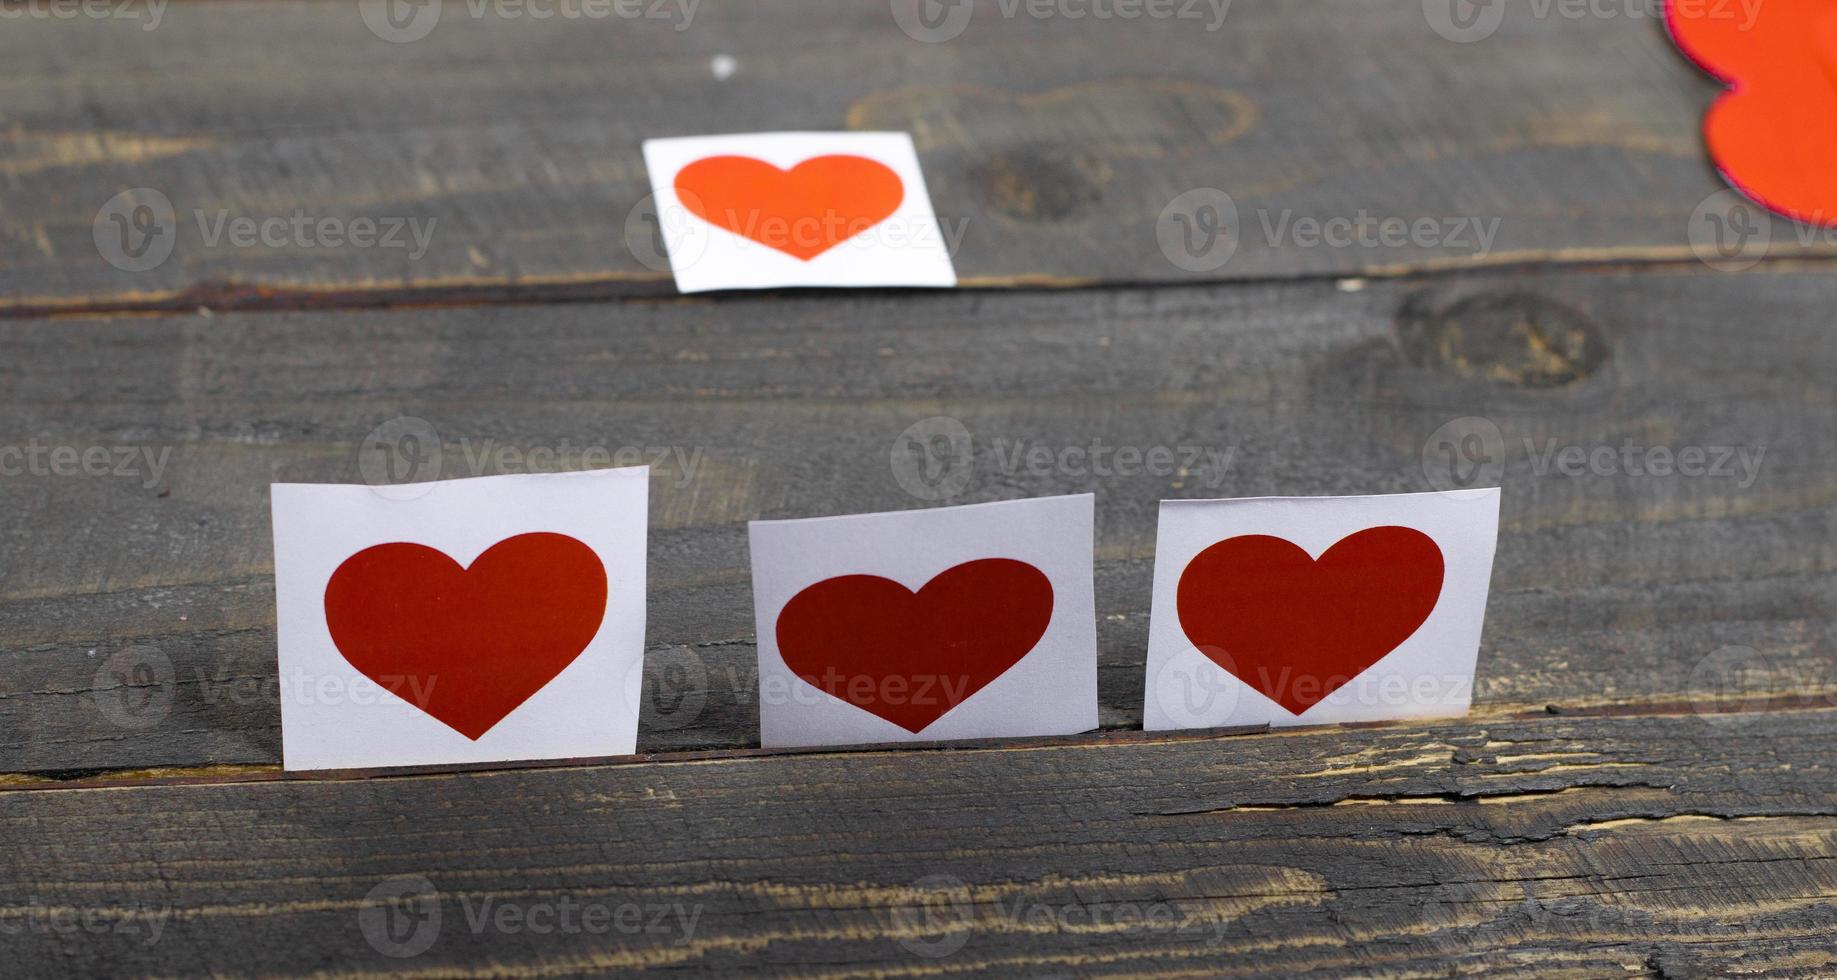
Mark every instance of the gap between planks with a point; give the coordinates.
(212, 775)
(211, 298)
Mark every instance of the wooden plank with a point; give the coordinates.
(1559, 847)
(136, 614)
(1055, 143)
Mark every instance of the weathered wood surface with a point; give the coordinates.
(1058, 140)
(1674, 846)
(1612, 591)
(1644, 788)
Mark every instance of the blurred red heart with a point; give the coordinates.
(907, 656)
(1771, 133)
(1297, 629)
(467, 645)
(804, 211)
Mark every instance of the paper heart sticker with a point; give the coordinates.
(1296, 628)
(1771, 134)
(467, 645)
(910, 657)
(804, 211)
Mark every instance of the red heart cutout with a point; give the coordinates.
(804, 211)
(467, 645)
(907, 656)
(1298, 629)
(1771, 133)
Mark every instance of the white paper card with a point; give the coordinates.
(957, 622)
(766, 210)
(477, 620)
(1309, 610)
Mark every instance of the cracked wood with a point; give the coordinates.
(1552, 847)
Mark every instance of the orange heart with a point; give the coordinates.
(802, 212)
(1770, 133)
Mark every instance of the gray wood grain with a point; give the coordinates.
(136, 615)
(1644, 787)
(1674, 846)
(1055, 142)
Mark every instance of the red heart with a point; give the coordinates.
(467, 645)
(804, 211)
(1296, 628)
(907, 656)
(1770, 133)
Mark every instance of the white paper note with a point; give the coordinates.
(1308, 610)
(766, 210)
(476, 620)
(956, 622)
